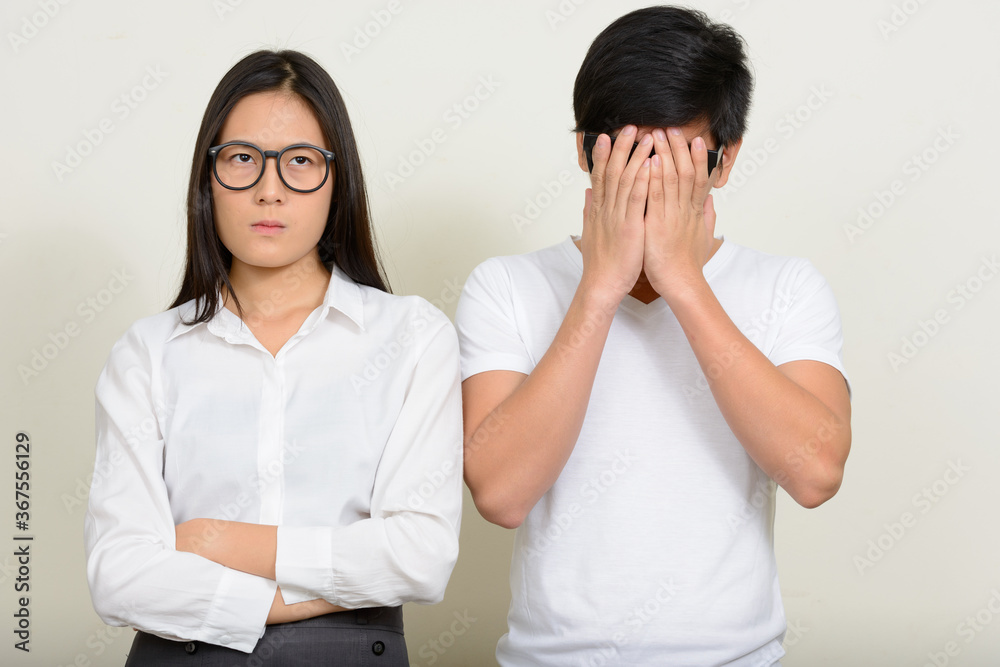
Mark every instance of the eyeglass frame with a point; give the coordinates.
(213, 153)
(590, 140)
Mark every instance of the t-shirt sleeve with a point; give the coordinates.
(811, 328)
(487, 326)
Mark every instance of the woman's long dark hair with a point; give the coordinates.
(347, 239)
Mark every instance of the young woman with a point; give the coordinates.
(279, 454)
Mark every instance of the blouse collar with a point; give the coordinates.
(342, 295)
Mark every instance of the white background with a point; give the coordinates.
(879, 97)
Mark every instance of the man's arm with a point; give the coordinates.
(520, 430)
(793, 420)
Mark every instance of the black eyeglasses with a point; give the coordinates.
(240, 166)
(590, 140)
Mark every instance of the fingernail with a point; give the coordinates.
(645, 163)
(629, 129)
(646, 140)
(656, 160)
(660, 134)
(698, 143)
(675, 130)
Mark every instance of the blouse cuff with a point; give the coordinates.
(302, 564)
(238, 615)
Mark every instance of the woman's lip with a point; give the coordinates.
(267, 227)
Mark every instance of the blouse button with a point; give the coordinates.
(190, 647)
(378, 648)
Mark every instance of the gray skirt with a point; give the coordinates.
(356, 638)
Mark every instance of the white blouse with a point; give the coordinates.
(349, 440)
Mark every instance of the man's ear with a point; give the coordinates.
(729, 154)
(581, 157)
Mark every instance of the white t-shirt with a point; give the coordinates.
(655, 545)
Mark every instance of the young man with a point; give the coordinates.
(630, 395)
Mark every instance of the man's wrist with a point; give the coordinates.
(684, 293)
(598, 299)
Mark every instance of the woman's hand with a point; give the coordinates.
(286, 613)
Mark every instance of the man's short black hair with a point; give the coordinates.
(665, 67)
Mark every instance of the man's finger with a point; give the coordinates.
(654, 198)
(637, 197)
(683, 164)
(699, 158)
(626, 184)
(600, 154)
(668, 171)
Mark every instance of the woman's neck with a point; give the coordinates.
(268, 294)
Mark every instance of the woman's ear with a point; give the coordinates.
(729, 154)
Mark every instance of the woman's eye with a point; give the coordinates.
(300, 160)
(244, 158)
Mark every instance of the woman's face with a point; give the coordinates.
(270, 225)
